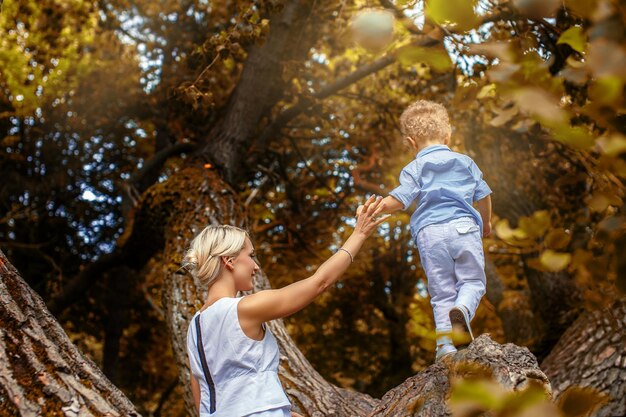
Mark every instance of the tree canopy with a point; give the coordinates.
(117, 116)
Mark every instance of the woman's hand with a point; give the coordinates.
(368, 220)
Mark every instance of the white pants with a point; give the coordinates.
(452, 257)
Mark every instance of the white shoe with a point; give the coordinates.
(459, 318)
(444, 351)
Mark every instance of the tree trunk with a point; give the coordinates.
(41, 371)
(592, 353)
(260, 87)
(425, 394)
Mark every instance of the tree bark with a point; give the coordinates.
(41, 371)
(259, 88)
(425, 394)
(592, 353)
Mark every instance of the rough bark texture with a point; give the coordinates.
(592, 353)
(41, 371)
(259, 88)
(215, 203)
(425, 394)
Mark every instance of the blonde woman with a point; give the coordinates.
(232, 354)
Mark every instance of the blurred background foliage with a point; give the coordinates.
(92, 90)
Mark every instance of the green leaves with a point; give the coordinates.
(438, 59)
(574, 37)
(457, 15)
(484, 395)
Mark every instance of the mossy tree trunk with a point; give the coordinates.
(592, 353)
(41, 370)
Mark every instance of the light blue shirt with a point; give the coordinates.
(445, 184)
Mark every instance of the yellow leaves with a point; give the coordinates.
(487, 91)
(557, 239)
(457, 15)
(581, 8)
(511, 236)
(500, 50)
(504, 116)
(554, 261)
(540, 104)
(580, 401)
(606, 58)
(537, 9)
(35, 69)
(438, 59)
(600, 200)
(607, 90)
(530, 228)
(573, 37)
(574, 136)
(612, 145)
(537, 224)
(471, 397)
(478, 396)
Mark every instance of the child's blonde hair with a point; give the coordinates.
(204, 257)
(426, 121)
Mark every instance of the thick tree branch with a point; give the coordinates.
(143, 178)
(259, 88)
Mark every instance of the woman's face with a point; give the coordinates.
(245, 267)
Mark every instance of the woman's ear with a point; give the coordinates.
(228, 262)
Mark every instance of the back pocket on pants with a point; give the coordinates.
(466, 228)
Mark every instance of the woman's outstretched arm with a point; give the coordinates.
(268, 305)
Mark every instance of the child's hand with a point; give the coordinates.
(359, 210)
(486, 229)
(368, 219)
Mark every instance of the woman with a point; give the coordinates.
(232, 355)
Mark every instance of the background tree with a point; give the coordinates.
(129, 126)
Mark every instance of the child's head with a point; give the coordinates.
(204, 257)
(425, 123)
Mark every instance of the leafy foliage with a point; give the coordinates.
(92, 91)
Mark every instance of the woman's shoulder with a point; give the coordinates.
(218, 308)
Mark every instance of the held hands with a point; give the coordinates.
(367, 214)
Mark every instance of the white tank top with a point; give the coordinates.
(244, 371)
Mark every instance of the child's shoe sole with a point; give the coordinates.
(460, 326)
(444, 352)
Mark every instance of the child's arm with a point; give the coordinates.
(484, 208)
(388, 205)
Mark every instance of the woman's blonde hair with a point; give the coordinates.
(204, 257)
(425, 121)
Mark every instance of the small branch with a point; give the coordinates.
(166, 394)
(155, 163)
(81, 282)
(305, 102)
(362, 184)
(308, 167)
